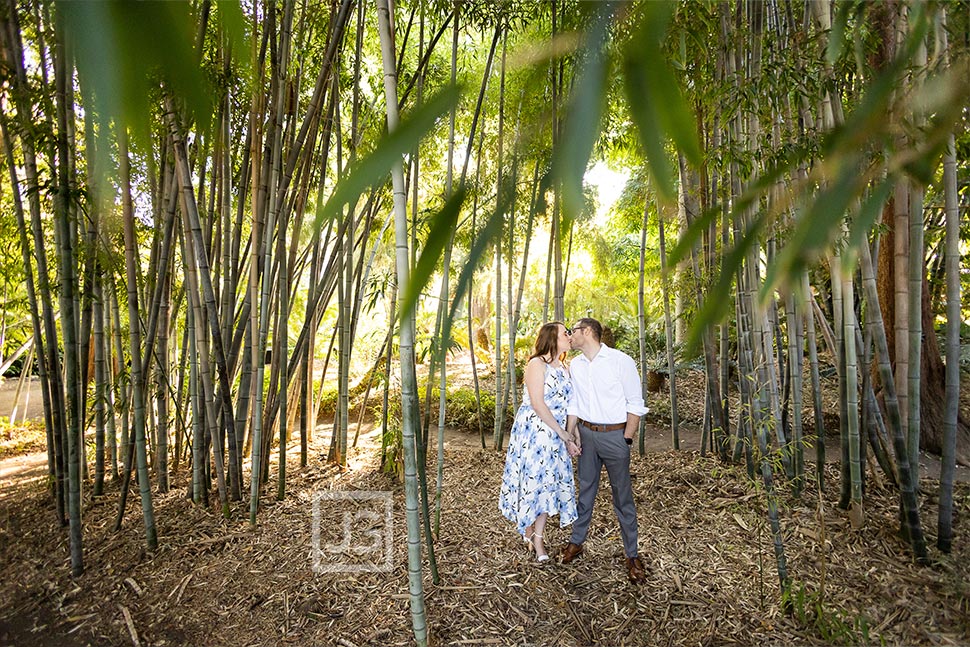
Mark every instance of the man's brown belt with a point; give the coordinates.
(596, 427)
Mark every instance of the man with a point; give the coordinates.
(606, 407)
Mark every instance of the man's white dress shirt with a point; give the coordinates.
(605, 388)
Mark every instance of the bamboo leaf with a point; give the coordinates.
(868, 118)
(122, 47)
(691, 235)
(676, 115)
(583, 117)
(233, 22)
(718, 300)
(657, 105)
(869, 213)
(641, 56)
(489, 233)
(442, 229)
(643, 109)
(837, 36)
(375, 167)
(750, 196)
(816, 229)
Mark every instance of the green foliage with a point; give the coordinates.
(327, 401)
(655, 100)
(373, 169)
(830, 625)
(583, 115)
(443, 225)
(121, 48)
(23, 438)
(461, 409)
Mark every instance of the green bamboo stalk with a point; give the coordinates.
(134, 336)
(208, 412)
(856, 513)
(910, 520)
(195, 413)
(669, 333)
(951, 414)
(35, 317)
(795, 357)
(21, 93)
(67, 267)
(100, 380)
(816, 383)
(408, 374)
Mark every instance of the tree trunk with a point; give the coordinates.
(849, 326)
(54, 385)
(911, 525)
(100, 390)
(190, 211)
(409, 408)
(446, 270)
(669, 334)
(951, 406)
(642, 325)
(933, 373)
(35, 318)
(64, 239)
(134, 335)
(498, 431)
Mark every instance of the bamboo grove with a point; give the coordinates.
(211, 198)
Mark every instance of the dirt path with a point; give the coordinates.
(30, 397)
(704, 535)
(19, 472)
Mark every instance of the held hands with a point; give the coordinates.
(574, 448)
(574, 445)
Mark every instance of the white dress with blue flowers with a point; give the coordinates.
(538, 473)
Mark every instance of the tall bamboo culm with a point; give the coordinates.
(409, 403)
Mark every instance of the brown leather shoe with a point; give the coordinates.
(636, 571)
(571, 552)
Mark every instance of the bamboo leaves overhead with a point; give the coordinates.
(122, 47)
(584, 114)
(442, 226)
(855, 164)
(375, 167)
(267, 192)
(656, 104)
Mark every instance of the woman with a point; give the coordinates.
(538, 477)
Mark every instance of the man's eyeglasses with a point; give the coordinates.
(570, 331)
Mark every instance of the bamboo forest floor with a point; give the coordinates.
(703, 534)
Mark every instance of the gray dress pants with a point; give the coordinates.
(610, 449)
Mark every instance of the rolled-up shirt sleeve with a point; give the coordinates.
(632, 389)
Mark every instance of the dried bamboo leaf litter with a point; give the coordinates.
(703, 535)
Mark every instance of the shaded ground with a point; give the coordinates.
(703, 532)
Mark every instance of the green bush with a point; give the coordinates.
(462, 413)
(25, 438)
(461, 408)
(328, 401)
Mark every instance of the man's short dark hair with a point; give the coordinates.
(595, 326)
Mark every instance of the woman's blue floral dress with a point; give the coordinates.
(538, 473)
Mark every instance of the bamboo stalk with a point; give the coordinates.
(910, 520)
(408, 375)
